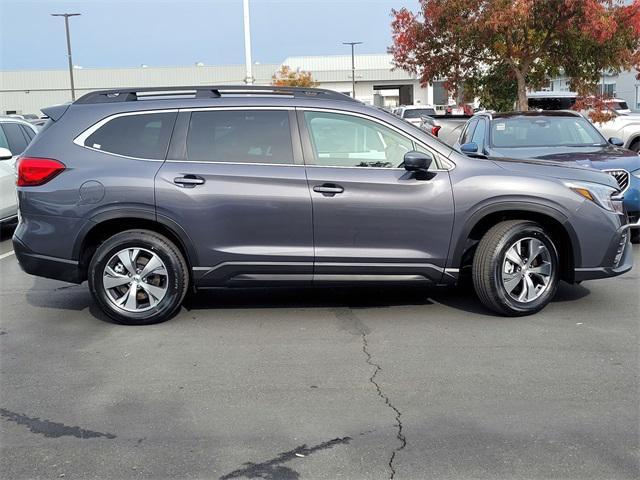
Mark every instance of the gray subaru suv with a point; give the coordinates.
(148, 193)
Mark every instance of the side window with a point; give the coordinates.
(17, 140)
(247, 136)
(347, 141)
(144, 135)
(478, 134)
(467, 135)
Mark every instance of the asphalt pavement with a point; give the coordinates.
(365, 383)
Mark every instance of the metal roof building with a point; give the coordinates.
(376, 80)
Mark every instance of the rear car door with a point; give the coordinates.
(234, 181)
(12, 138)
(373, 220)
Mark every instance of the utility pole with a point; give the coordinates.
(66, 27)
(353, 66)
(247, 43)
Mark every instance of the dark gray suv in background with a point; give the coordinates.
(148, 193)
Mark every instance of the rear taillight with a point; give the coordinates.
(37, 171)
(435, 129)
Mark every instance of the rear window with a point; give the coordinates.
(247, 136)
(140, 136)
(418, 112)
(618, 105)
(17, 140)
(551, 103)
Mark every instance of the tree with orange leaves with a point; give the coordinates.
(286, 77)
(465, 41)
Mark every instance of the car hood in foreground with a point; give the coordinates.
(598, 157)
(555, 169)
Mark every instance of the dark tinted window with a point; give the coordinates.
(551, 103)
(418, 112)
(247, 136)
(140, 136)
(28, 132)
(17, 140)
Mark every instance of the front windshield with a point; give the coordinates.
(544, 131)
(418, 112)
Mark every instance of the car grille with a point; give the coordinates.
(621, 176)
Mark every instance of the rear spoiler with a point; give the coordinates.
(56, 111)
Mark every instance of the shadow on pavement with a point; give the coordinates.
(78, 298)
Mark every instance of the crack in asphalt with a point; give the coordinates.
(349, 321)
(399, 435)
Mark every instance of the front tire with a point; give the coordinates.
(516, 268)
(138, 277)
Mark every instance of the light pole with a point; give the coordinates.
(66, 27)
(353, 66)
(247, 42)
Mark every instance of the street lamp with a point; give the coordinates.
(66, 27)
(353, 66)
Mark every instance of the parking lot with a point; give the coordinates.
(320, 384)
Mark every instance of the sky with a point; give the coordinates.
(120, 33)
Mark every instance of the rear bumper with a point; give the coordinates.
(45, 266)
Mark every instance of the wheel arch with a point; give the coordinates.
(553, 220)
(109, 223)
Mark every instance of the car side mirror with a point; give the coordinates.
(616, 141)
(5, 154)
(417, 161)
(471, 147)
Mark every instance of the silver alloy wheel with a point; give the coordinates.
(135, 279)
(526, 270)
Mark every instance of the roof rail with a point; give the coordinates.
(201, 91)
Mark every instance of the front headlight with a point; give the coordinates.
(597, 193)
(636, 173)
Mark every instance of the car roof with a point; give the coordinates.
(532, 113)
(552, 95)
(5, 119)
(415, 107)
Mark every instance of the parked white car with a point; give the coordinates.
(625, 127)
(15, 135)
(413, 113)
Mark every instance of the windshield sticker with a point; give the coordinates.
(500, 126)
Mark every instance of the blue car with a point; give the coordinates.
(559, 136)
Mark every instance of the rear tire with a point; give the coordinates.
(138, 277)
(516, 268)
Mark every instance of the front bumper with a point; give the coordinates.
(618, 260)
(45, 266)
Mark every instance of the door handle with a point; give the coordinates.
(188, 181)
(328, 189)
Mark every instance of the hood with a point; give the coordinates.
(605, 157)
(554, 169)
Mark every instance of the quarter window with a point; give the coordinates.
(256, 136)
(347, 141)
(139, 136)
(4, 143)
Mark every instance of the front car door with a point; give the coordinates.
(235, 182)
(373, 220)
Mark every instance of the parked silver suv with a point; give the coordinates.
(148, 193)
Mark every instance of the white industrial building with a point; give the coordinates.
(377, 82)
(624, 85)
